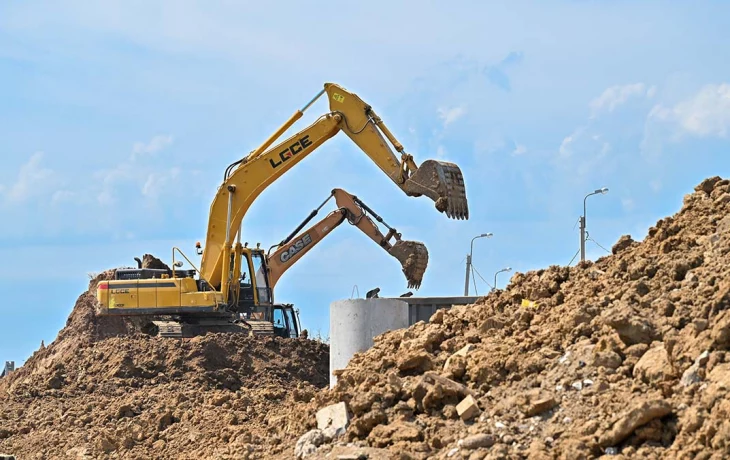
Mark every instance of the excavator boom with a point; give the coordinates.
(247, 178)
(412, 255)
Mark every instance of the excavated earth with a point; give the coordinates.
(626, 357)
(104, 390)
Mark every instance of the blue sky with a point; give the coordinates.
(117, 120)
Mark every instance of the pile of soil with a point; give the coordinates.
(625, 357)
(103, 389)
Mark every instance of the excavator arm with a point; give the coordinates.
(244, 180)
(413, 256)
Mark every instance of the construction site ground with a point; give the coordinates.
(624, 357)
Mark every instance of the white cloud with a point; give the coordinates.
(63, 196)
(158, 183)
(34, 179)
(449, 116)
(617, 95)
(628, 204)
(706, 114)
(519, 150)
(155, 145)
(566, 147)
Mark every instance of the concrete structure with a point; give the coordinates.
(422, 308)
(354, 323)
(9, 367)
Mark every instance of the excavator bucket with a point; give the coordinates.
(443, 183)
(413, 257)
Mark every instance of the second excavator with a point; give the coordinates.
(218, 286)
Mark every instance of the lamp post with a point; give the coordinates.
(601, 191)
(468, 260)
(495, 276)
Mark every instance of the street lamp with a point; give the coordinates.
(601, 191)
(468, 260)
(495, 276)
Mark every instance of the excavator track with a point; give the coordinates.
(200, 326)
(443, 182)
(413, 257)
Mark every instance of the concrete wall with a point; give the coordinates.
(9, 367)
(354, 323)
(422, 308)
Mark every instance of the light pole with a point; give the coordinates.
(468, 260)
(602, 191)
(494, 288)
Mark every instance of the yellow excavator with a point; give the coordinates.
(220, 296)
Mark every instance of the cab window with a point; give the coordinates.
(262, 287)
(279, 320)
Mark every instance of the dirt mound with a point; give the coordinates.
(626, 356)
(102, 389)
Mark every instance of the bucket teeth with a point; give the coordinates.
(443, 182)
(413, 257)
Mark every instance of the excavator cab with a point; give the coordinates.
(255, 301)
(253, 285)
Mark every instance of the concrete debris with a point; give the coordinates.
(599, 363)
(334, 417)
(467, 408)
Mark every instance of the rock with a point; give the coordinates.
(334, 416)
(159, 444)
(419, 362)
(631, 328)
(462, 352)
(385, 435)
(692, 374)
(721, 332)
(708, 184)
(654, 366)
(641, 414)
(536, 401)
(219, 400)
(437, 317)
(608, 359)
(624, 242)
(467, 408)
(105, 444)
(308, 443)
(477, 441)
(165, 420)
(432, 389)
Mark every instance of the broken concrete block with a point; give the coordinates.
(461, 352)
(467, 408)
(334, 416)
(308, 443)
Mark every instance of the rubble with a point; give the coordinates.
(102, 389)
(624, 356)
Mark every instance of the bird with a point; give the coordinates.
(407, 294)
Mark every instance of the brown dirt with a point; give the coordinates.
(627, 356)
(103, 390)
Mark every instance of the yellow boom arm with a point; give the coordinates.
(412, 255)
(246, 179)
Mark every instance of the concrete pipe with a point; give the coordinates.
(354, 323)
